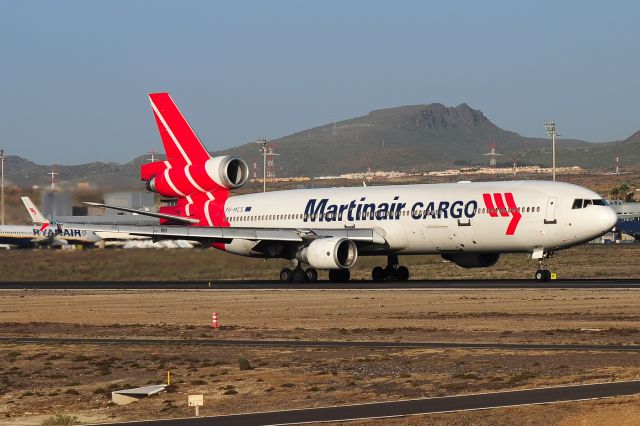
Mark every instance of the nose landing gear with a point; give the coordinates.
(543, 274)
(392, 272)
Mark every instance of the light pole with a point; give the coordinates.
(553, 132)
(263, 148)
(2, 157)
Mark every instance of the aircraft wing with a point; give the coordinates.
(173, 218)
(202, 233)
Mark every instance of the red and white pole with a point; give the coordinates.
(214, 320)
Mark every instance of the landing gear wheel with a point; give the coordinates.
(402, 273)
(299, 276)
(377, 274)
(391, 273)
(286, 275)
(339, 275)
(543, 275)
(312, 275)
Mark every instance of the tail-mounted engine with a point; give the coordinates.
(223, 172)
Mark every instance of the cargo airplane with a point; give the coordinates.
(468, 223)
(44, 232)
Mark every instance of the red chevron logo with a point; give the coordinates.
(496, 208)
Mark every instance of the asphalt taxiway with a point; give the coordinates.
(320, 285)
(379, 410)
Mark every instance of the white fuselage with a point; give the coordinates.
(512, 216)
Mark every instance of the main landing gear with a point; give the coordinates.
(543, 274)
(298, 275)
(392, 272)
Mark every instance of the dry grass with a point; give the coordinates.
(589, 261)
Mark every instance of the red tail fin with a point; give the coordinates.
(181, 144)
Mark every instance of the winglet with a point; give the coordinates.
(36, 216)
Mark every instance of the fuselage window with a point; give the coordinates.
(538, 209)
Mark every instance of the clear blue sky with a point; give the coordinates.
(74, 74)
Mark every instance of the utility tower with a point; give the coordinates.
(53, 174)
(271, 165)
(2, 158)
(268, 164)
(263, 150)
(493, 156)
(550, 125)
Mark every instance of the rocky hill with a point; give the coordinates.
(420, 137)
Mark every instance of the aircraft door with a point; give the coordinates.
(550, 217)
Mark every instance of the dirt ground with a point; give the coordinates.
(39, 381)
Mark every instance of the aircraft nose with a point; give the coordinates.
(607, 218)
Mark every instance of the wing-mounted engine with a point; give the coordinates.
(329, 253)
(222, 172)
(472, 260)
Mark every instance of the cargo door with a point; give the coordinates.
(442, 238)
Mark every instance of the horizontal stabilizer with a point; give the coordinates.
(171, 217)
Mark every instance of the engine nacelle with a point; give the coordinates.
(472, 260)
(224, 172)
(228, 172)
(330, 253)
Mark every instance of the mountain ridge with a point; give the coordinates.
(407, 138)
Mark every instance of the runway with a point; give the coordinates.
(320, 285)
(412, 407)
(318, 344)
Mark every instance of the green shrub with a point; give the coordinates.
(244, 364)
(61, 420)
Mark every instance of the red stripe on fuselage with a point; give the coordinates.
(488, 202)
(500, 204)
(511, 229)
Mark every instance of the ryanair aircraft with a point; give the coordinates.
(43, 232)
(470, 224)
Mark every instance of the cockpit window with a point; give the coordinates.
(580, 203)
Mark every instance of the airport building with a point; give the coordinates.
(60, 206)
(628, 218)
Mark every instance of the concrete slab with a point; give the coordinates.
(127, 396)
